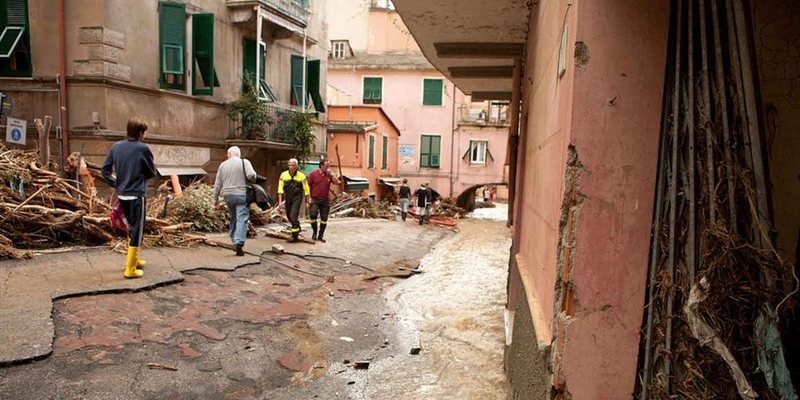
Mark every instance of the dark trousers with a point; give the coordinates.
(293, 203)
(135, 211)
(321, 208)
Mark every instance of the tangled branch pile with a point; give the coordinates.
(40, 210)
(350, 204)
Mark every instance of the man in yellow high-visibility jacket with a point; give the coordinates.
(293, 187)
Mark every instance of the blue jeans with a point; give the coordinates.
(239, 214)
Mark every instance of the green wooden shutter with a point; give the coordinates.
(15, 55)
(14, 18)
(249, 61)
(203, 53)
(297, 80)
(15, 12)
(373, 88)
(432, 92)
(262, 59)
(385, 153)
(312, 82)
(371, 152)
(435, 150)
(172, 40)
(425, 151)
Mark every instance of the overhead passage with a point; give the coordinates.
(479, 60)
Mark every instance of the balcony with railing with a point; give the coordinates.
(492, 114)
(295, 10)
(280, 120)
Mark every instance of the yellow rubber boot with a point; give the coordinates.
(130, 264)
(139, 262)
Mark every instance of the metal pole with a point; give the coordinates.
(259, 27)
(305, 64)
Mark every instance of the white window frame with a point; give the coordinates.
(339, 49)
(20, 30)
(478, 158)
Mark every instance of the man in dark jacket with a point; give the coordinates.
(128, 166)
(422, 201)
(405, 195)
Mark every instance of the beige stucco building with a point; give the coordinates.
(91, 64)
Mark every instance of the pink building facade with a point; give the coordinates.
(375, 60)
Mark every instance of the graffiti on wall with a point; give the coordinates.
(407, 154)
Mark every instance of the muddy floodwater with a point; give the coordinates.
(454, 310)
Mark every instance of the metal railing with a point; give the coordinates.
(274, 130)
(295, 9)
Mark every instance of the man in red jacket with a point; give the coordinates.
(319, 181)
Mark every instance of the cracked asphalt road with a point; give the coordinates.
(288, 327)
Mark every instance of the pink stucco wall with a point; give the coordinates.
(467, 173)
(402, 102)
(608, 106)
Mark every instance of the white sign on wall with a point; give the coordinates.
(15, 131)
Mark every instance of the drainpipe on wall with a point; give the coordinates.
(453, 132)
(62, 82)
(305, 64)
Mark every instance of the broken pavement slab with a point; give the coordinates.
(28, 288)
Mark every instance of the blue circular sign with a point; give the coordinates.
(16, 134)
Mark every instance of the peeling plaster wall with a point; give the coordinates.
(777, 33)
(587, 179)
(615, 130)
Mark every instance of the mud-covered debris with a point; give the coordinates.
(277, 249)
(361, 364)
(416, 348)
(161, 366)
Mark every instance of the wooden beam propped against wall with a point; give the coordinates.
(479, 50)
(489, 71)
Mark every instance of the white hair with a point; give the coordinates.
(293, 160)
(235, 151)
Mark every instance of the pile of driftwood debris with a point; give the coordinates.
(39, 210)
(354, 205)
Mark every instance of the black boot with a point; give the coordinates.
(294, 238)
(314, 229)
(403, 216)
(420, 220)
(321, 232)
